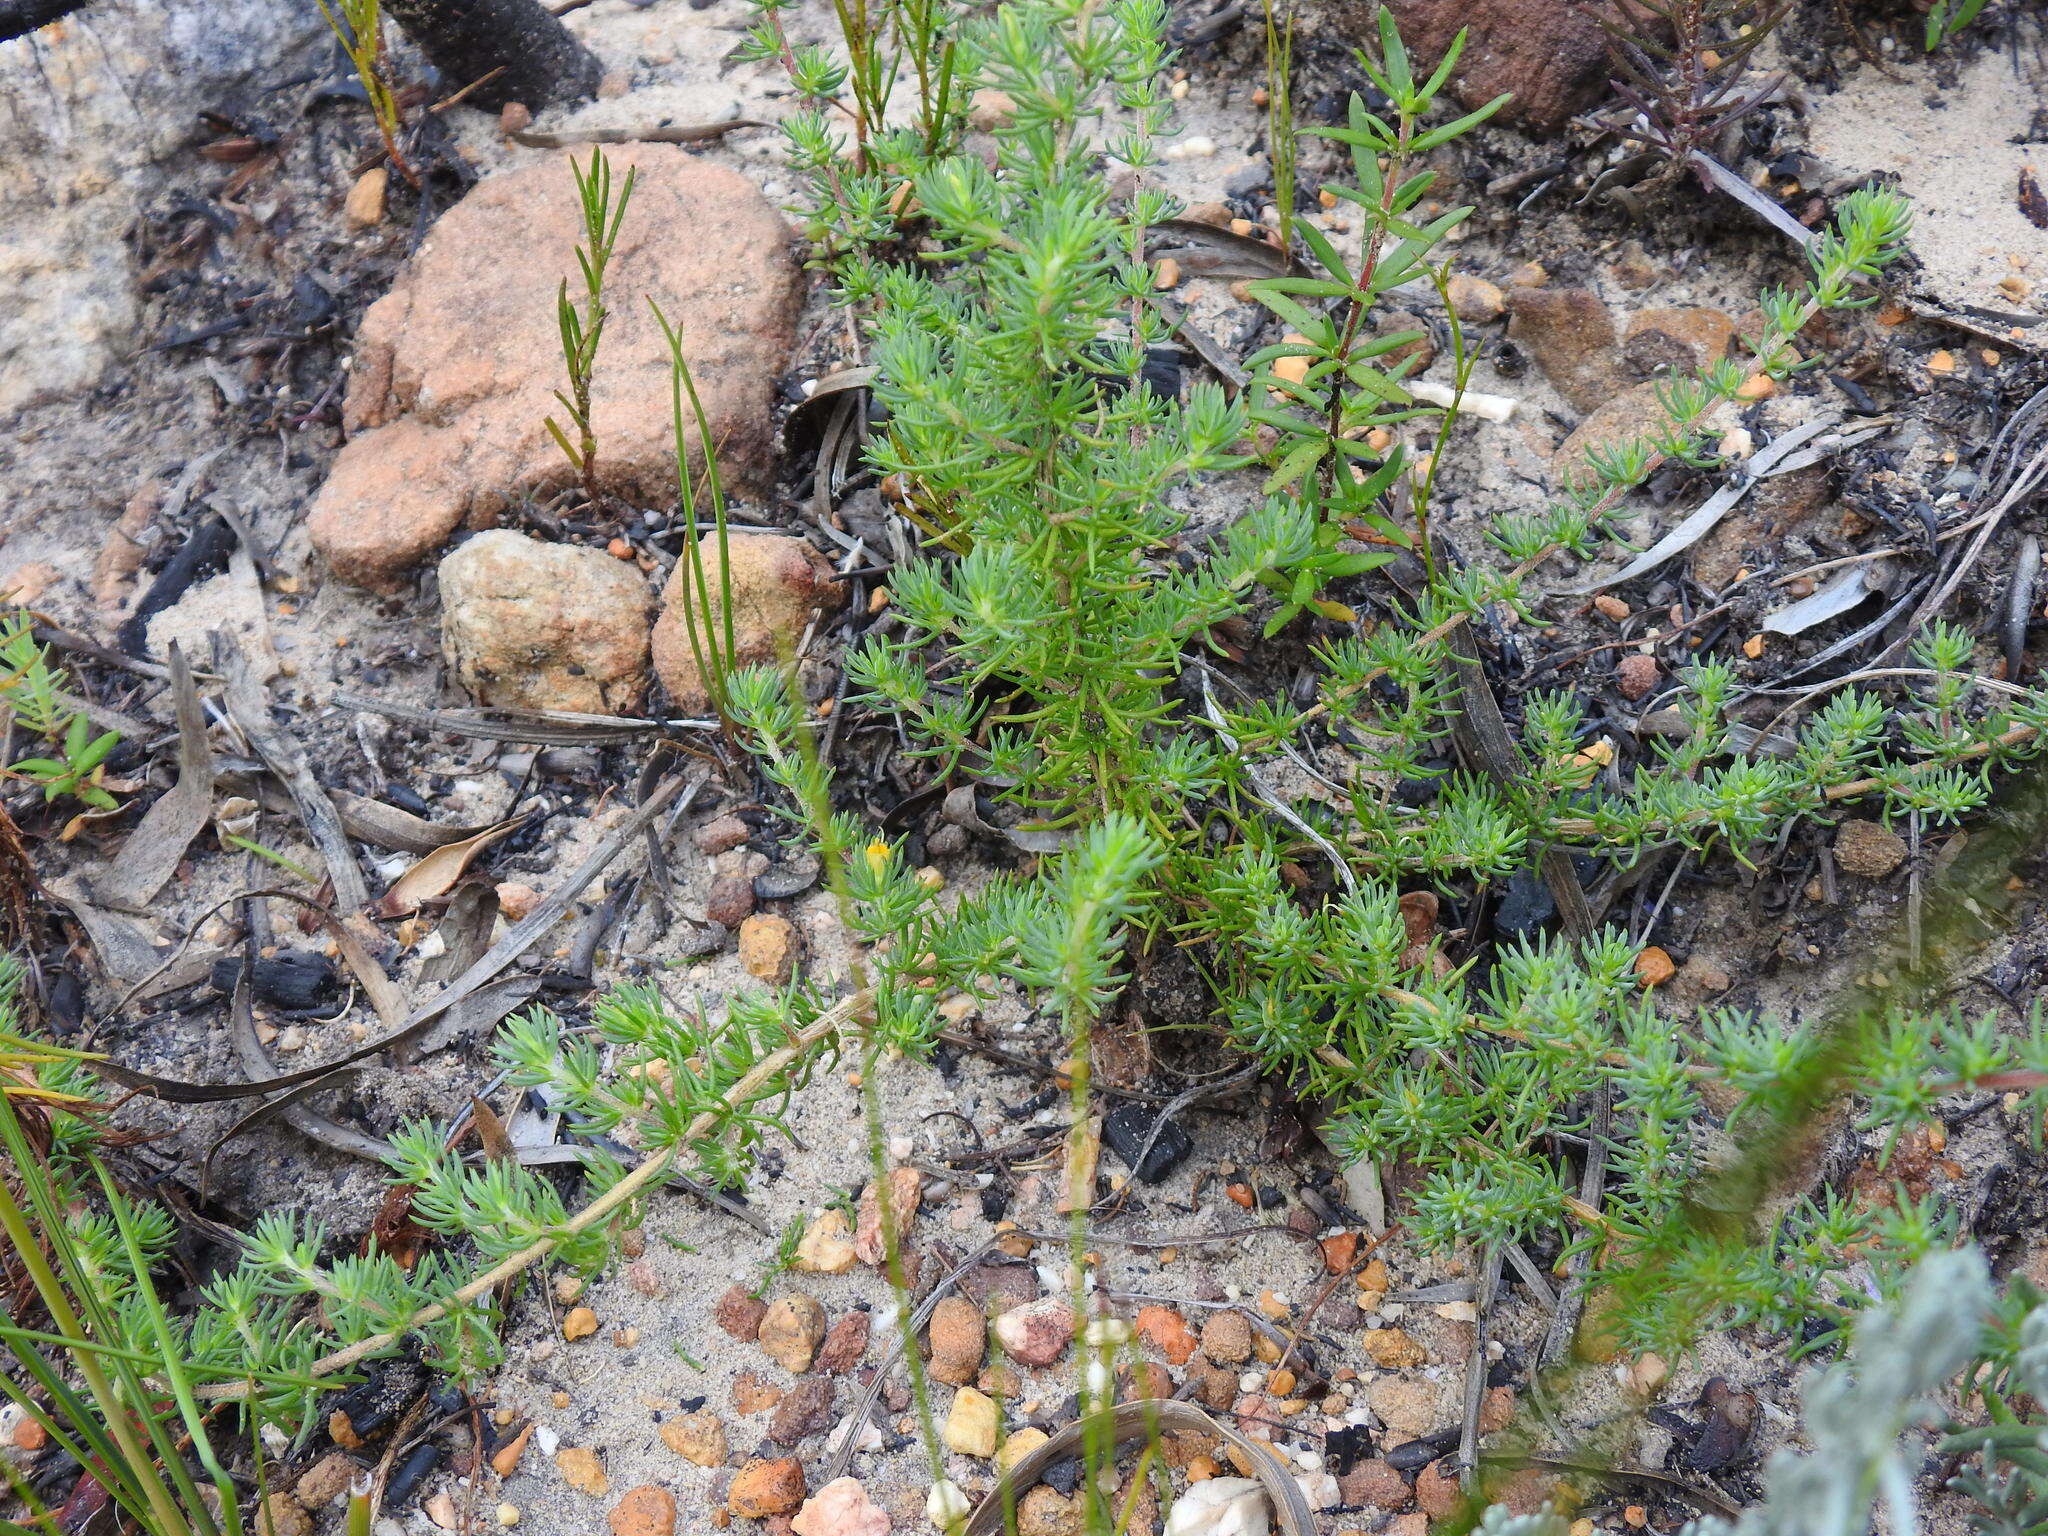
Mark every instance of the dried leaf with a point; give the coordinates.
(2032, 202)
(166, 830)
(436, 874)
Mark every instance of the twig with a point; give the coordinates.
(1475, 1365)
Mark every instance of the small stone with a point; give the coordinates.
(1393, 1349)
(1168, 1332)
(906, 1191)
(1037, 1334)
(582, 1471)
(1570, 336)
(844, 1344)
(1658, 341)
(971, 1424)
(581, 1323)
(1410, 1406)
(791, 1332)
(698, 1437)
(1703, 977)
(764, 1488)
(1018, 1446)
(1376, 1485)
(1217, 1387)
(778, 583)
(1867, 849)
(841, 1508)
(1496, 1410)
(508, 1516)
(827, 1244)
(364, 208)
(739, 1313)
(516, 899)
(514, 117)
(730, 901)
(280, 1515)
(1227, 1338)
(989, 109)
(1474, 300)
(805, 1410)
(325, 1482)
(721, 835)
(1435, 1494)
(505, 1459)
(946, 1505)
(1654, 967)
(531, 625)
(768, 946)
(751, 1395)
(1045, 1512)
(958, 1337)
(648, 1510)
(1636, 674)
(1340, 1249)
(1612, 607)
(1422, 350)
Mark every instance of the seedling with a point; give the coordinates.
(581, 329)
(358, 25)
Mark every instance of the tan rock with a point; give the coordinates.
(280, 1515)
(505, 1459)
(528, 625)
(906, 1190)
(959, 1336)
(582, 1471)
(698, 1437)
(1410, 1406)
(768, 949)
(1681, 339)
(364, 207)
(1474, 300)
(1435, 1494)
(827, 1244)
(752, 1395)
(580, 1323)
(1045, 1512)
(1020, 1445)
(1393, 1349)
(1636, 674)
(1864, 848)
(739, 1313)
(778, 583)
(1227, 1338)
(791, 1332)
(766, 1488)
(805, 1410)
(1376, 1484)
(971, 1424)
(1654, 966)
(455, 368)
(1569, 334)
(649, 1510)
(325, 1482)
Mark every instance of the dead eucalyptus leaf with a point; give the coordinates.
(151, 854)
(436, 874)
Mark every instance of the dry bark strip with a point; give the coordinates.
(166, 830)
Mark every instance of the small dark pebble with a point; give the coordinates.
(1063, 1477)
(411, 1473)
(1125, 1130)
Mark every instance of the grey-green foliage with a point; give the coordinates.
(1857, 1412)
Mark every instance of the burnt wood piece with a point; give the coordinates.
(538, 61)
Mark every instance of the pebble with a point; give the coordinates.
(791, 1332)
(768, 947)
(844, 1344)
(827, 1245)
(364, 208)
(841, 1508)
(764, 1488)
(1227, 1338)
(1020, 1445)
(906, 1192)
(508, 1516)
(698, 1437)
(1636, 674)
(1474, 300)
(1869, 850)
(946, 1505)
(1168, 1332)
(805, 1410)
(1037, 1334)
(582, 1471)
(648, 1510)
(971, 1424)
(581, 1323)
(1654, 967)
(958, 1339)
(739, 1313)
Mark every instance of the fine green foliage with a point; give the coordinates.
(358, 25)
(1946, 18)
(707, 623)
(29, 690)
(582, 329)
